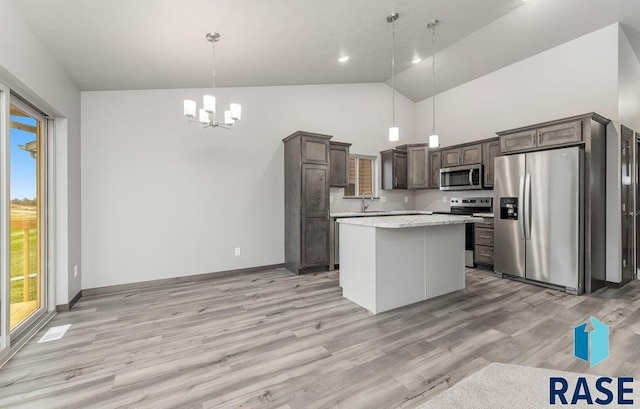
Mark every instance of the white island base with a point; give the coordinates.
(382, 268)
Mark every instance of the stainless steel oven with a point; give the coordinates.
(467, 206)
(461, 178)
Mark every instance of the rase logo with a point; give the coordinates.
(592, 347)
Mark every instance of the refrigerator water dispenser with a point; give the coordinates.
(509, 208)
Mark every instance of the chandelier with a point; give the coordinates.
(207, 114)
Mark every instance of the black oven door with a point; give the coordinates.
(469, 236)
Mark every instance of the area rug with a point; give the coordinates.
(502, 386)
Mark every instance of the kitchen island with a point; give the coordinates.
(334, 232)
(392, 261)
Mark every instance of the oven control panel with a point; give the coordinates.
(471, 202)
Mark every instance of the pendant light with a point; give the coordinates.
(207, 114)
(394, 132)
(433, 138)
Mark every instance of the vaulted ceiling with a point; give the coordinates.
(155, 44)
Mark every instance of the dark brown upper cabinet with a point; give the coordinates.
(418, 172)
(451, 157)
(394, 169)
(462, 155)
(490, 150)
(480, 152)
(565, 132)
(471, 154)
(339, 164)
(570, 132)
(435, 163)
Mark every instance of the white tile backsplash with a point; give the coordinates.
(428, 199)
(387, 200)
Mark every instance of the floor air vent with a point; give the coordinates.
(54, 333)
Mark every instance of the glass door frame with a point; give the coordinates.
(42, 182)
(5, 343)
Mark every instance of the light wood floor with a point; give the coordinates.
(276, 340)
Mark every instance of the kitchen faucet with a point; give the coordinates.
(365, 205)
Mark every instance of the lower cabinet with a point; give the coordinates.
(315, 234)
(483, 240)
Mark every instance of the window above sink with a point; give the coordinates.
(362, 176)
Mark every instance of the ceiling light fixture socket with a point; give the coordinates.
(433, 23)
(212, 37)
(392, 17)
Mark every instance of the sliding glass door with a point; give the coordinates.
(4, 226)
(23, 219)
(26, 194)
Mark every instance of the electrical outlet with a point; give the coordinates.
(383, 199)
(444, 199)
(406, 199)
(237, 251)
(75, 271)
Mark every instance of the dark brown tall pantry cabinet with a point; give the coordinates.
(306, 201)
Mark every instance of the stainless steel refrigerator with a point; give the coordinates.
(538, 217)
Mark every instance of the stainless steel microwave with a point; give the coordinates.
(461, 177)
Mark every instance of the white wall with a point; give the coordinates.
(629, 84)
(143, 165)
(163, 198)
(29, 69)
(574, 78)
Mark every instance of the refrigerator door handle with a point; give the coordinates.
(521, 206)
(527, 207)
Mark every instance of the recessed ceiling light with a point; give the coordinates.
(344, 58)
(416, 60)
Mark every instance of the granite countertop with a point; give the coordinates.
(399, 222)
(371, 213)
(489, 215)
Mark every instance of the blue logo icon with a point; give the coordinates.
(592, 347)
